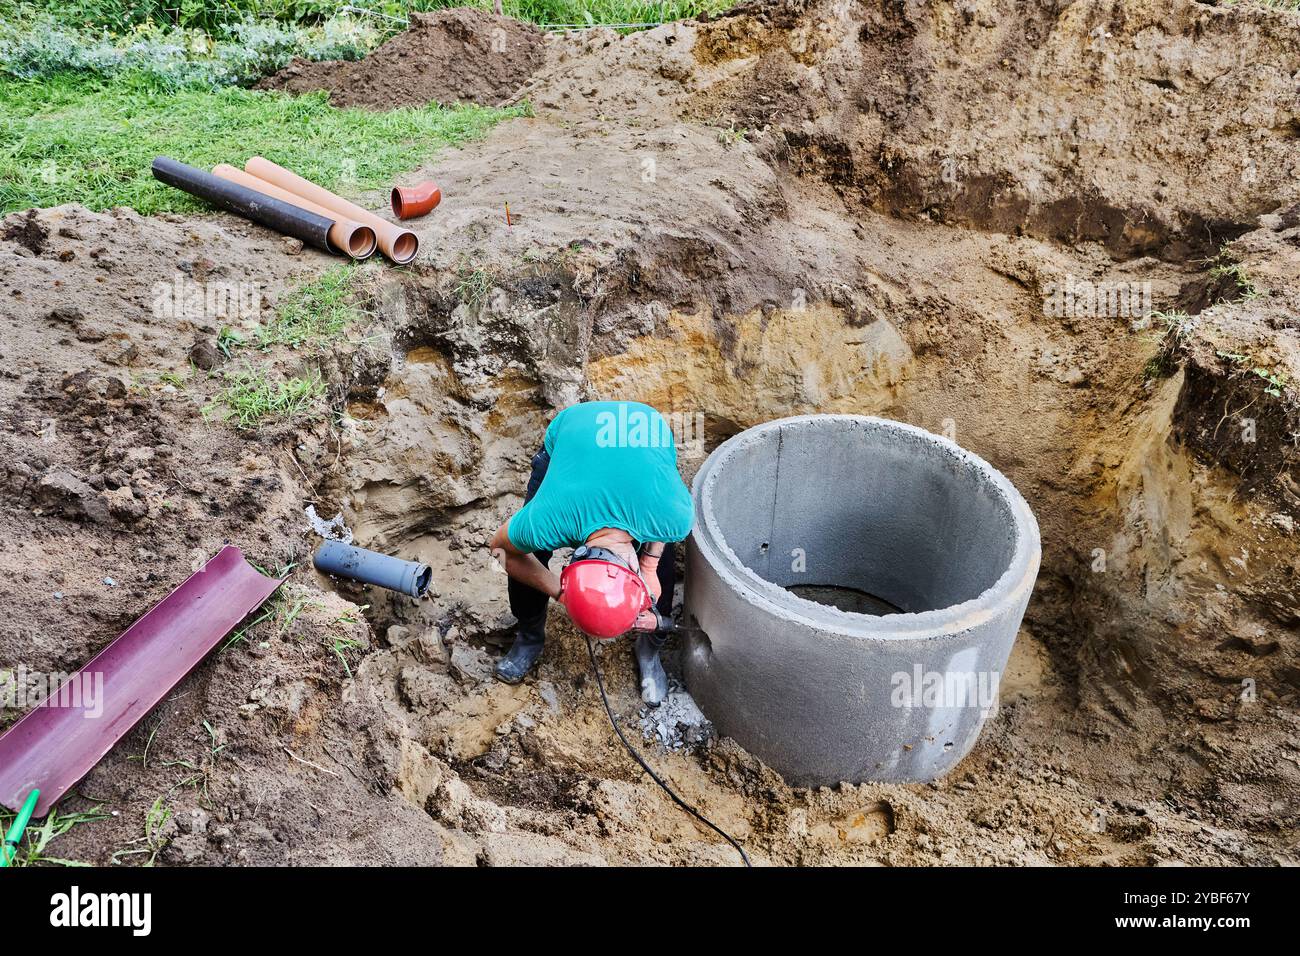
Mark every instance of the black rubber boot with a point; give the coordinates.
(654, 682)
(524, 653)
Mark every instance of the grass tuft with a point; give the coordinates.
(38, 836)
(251, 395)
(1235, 272)
(313, 314)
(473, 286)
(88, 139)
(1173, 328)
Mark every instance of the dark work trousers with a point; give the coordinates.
(528, 605)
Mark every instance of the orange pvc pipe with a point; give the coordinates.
(349, 237)
(397, 243)
(411, 201)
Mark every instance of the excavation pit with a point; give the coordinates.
(890, 516)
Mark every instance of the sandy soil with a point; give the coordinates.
(799, 207)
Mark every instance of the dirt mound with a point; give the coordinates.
(452, 56)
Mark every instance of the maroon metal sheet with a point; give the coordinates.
(57, 742)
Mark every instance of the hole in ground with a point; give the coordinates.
(949, 381)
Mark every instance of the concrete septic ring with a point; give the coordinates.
(824, 695)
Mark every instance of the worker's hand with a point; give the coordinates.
(647, 620)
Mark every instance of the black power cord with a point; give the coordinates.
(595, 667)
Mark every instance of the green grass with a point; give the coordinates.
(204, 14)
(1225, 268)
(38, 836)
(1275, 381)
(313, 314)
(90, 140)
(229, 339)
(473, 286)
(580, 12)
(154, 822)
(155, 818)
(269, 609)
(212, 15)
(1171, 330)
(730, 136)
(292, 610)
(341, 647)
(251, 395)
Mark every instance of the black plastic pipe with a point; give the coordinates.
(264, 210)
(371, 567)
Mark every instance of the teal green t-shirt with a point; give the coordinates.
(613, 465)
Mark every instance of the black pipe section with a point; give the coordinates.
(264, 210)
(371, 567)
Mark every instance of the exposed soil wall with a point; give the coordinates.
(1075, 122)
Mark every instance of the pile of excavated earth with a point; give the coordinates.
(1065, 234)
(452, 56)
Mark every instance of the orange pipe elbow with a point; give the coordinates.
(411, 201)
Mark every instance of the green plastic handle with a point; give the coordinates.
(10, 848)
